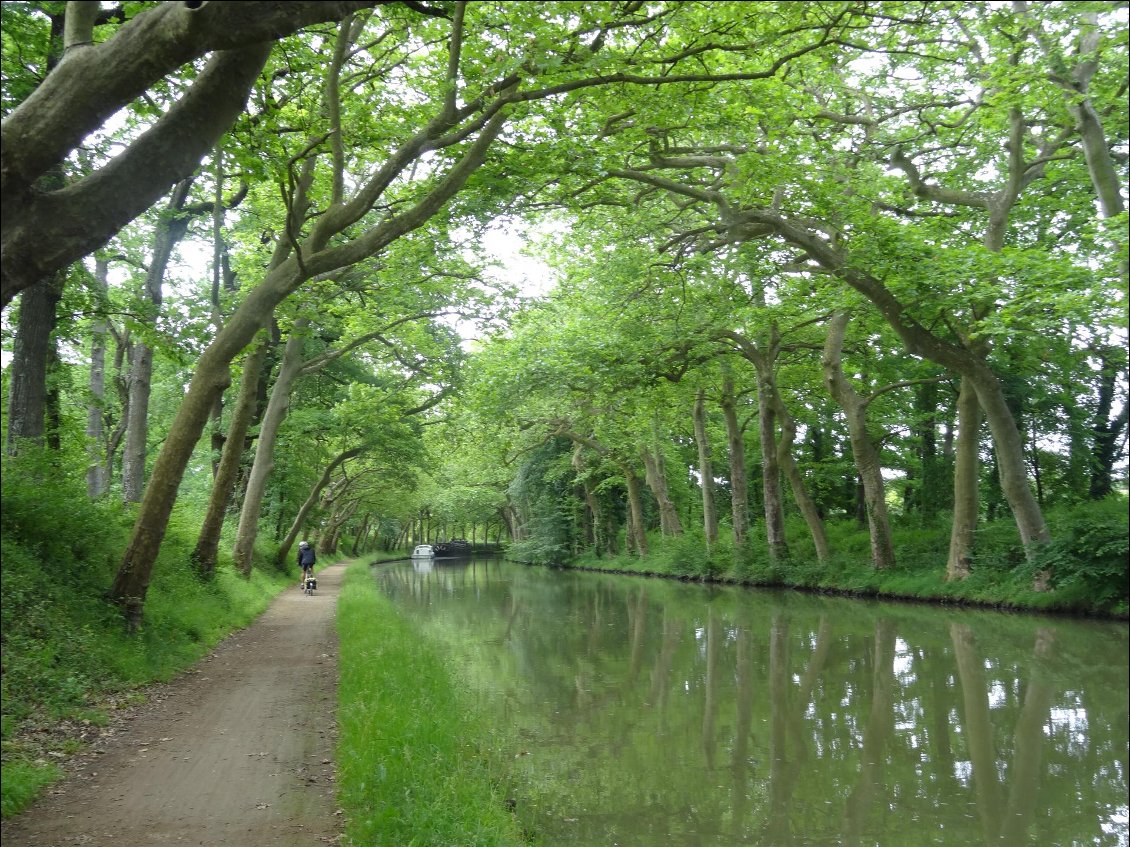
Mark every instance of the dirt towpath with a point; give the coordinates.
(235, 753)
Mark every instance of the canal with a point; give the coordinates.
(648, 712)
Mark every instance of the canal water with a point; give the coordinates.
(651, 712)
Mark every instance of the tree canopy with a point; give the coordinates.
(814, 262)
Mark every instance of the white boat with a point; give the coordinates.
(423, 551)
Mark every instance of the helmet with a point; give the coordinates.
(303, 543)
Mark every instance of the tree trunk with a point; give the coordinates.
(763, 358)
(590, 529)
(359, 538)
(122, 349)
(311, 499)
(96, 480)
(223, 279)
(31, 353)
(132, 580)
(1106, 431)
(341, 514)
(1007, 442)
(669, 522)
(773, 506)
(705, 471)
(1101, 165)
(636, 529)
(509, 520)
(966, 483)
(796, 482)
(925, 497)
(1009, 450)
(171, 230)
(265, 451)
(739, 484)
(863, 448)
(208, 541)
(137, 424)
(592, 517)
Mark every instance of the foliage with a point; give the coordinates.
(1089, 558)
(542, 498)
(21, 781)
(687, 556)
(709, 186)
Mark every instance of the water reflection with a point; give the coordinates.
(647, 712)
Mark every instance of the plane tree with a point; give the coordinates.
(938, 162)
(817, 179)
(210, 53)
(562, 374)
(461, 80)
(400, 336)
(366, 445)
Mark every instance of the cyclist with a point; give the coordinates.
(305, 560)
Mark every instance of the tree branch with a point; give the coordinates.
(42, 233)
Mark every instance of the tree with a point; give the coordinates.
(445, 137)
(27, 387)
(223, 483)
(170, 228)
(720, 182)
(44, 229)
(705, 471)
(827, 243)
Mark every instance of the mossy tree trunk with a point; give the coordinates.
(863, 447)
(227, 471)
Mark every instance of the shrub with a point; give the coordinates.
(1090, 552)
(686, 555)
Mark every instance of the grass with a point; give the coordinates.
(22, 781)
(415, 760)
(68, 661)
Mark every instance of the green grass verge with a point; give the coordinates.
(22, 780)
(415, 761)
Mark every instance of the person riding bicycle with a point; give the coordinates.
(306, 560)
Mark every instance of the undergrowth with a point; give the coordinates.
(1087, 562)
(68, 660)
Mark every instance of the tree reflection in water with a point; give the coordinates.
(659, 713)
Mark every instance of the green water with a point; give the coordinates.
(649, 712)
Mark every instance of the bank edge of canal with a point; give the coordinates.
(991, 588)
(416, 761)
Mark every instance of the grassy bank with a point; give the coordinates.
(1088, 561)
(414, 759)
(68, 661)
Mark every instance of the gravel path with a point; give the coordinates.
(235, 753)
